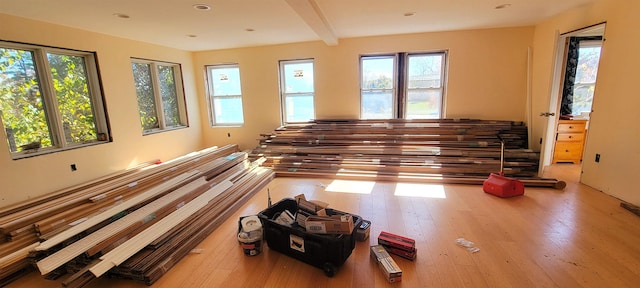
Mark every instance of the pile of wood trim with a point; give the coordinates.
(462, 151)
(68, 230)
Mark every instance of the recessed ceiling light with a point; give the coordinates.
(121, 15)
(409, 14)
(503, 6)
(203, 7)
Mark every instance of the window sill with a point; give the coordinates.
(51, 150)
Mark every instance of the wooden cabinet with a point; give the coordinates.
(570, 141)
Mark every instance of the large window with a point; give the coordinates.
(50, 99)
(297, 90)
(225, 95)
(160, 95)
(403, 85)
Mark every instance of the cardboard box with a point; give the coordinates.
(308, 208)
(335, 224)
(410, 255)
(362, 231)
(396, 241)
(387, 265)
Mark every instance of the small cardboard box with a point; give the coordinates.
(387, 265)
(308, 208)
(362, 231)
(335, 224)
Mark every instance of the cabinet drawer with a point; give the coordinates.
(568, 151)
(571, 127)
(570, 137)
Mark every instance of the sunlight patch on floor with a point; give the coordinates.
(420, 190)
(350, 186)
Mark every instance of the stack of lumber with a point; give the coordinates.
(436, 151)
(69, 229)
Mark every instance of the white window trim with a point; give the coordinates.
(49, 97)
(393, 90)
(442, 81)
(284, 95)
(211, 97)
(182, 109)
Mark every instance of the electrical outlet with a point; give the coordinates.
(597, 158)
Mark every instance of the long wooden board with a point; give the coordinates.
(123, 252)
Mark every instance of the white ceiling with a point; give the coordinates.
(170, 22)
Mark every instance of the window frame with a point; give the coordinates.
(284, 95)
(401, 82)
(211, 95)
(52, 112)
(394, 89)
(180, 96)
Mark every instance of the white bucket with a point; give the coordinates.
(250, 235)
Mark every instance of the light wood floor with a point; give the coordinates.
(578, 237)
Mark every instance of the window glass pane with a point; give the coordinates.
(425, 71)
(582, 98)
(169, 96)
(298, 77)
(423, 104)
(587, 70)
(226, 95)
(377, 105)
(586, 73)
(144, 92)
(71, 86)
(228, 110)
(377, 73)
(299, 108)
(22, 105)
(226, 81)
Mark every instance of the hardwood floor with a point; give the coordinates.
(578, 237)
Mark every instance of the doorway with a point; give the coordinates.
(574, 81)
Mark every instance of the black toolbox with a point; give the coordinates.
(325, 251)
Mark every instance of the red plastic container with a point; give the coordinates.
(502, 186)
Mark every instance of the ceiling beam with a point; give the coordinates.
(312, 15)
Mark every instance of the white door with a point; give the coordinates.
(552, 114)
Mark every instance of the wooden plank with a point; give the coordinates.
(632, 208)
(167, 185)
(135, 244)
(154, 173)
(138, 216)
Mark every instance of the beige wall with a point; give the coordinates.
(26, 178)
(487, 77)
(613, 130)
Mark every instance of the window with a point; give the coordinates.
(50, 99)
(297, 90)
(403, 85)
(225, 95)
(585, 80)
(160, 95)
